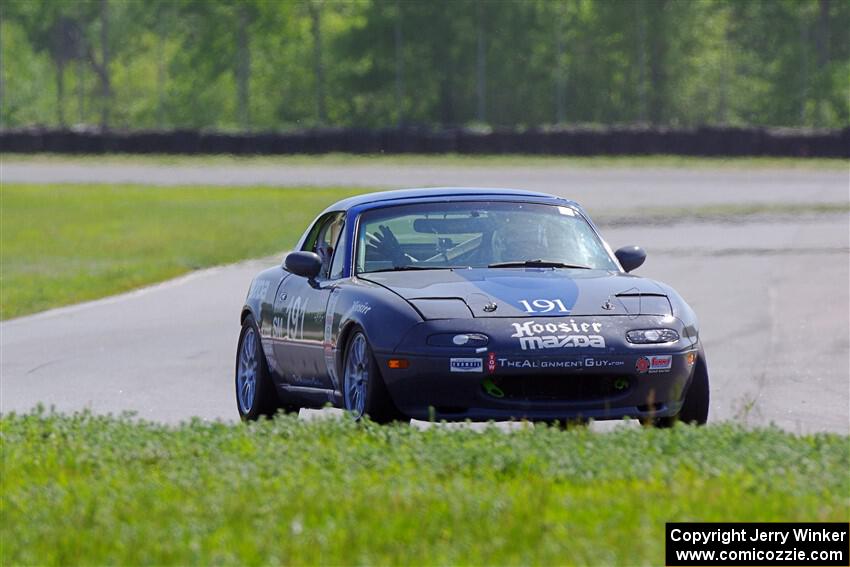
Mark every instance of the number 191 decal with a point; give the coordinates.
(544, 306)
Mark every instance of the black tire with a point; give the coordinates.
(695, 407)
(253, 401)
(363, 390)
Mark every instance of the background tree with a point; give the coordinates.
(255, 64)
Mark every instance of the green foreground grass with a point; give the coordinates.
(63, 244)
(488, 161)
(101, 490)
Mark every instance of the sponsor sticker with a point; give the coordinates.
(524, 363)
(559, 363)
(491, 362)
(258, 289)
(653, 364)
(602, 363)
(328, 341)
(466, 365)
(360, 307)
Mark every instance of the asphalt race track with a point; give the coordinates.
(771, 292)
(597, 189)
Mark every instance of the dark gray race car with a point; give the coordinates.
(463, 304)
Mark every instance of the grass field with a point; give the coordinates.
(489, 161)
(64, 244)
(99, 490)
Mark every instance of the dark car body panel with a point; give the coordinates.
(429, 382)
(582, 292)
(572, 363)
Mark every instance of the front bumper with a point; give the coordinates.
(562, 384)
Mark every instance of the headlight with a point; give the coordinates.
(458, 339)
(652, 336)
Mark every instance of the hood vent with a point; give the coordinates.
(637, 303)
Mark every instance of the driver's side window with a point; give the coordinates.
(323, 240)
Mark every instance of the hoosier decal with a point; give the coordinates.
(537, 336)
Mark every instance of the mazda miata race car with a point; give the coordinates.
(456, 304)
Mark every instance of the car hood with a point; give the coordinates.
(520, 292)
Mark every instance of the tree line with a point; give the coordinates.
(267, 65)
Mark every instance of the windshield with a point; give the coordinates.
(477, 234)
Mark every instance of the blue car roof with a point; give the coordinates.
(355, 205)
(431, 193)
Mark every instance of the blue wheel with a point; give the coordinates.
(255, 392)
(363, 389)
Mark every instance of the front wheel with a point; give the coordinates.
(363, 389)
(255, 393)
(695, 408)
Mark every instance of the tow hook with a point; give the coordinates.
(491, 388)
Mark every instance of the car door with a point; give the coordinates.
(300, 308)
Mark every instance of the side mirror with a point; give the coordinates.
(631, 257)
(304, 264)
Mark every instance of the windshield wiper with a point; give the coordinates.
(406, 268)
(537, 264)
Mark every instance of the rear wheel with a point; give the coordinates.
(695, 408)
(364, 392)
(255, 392)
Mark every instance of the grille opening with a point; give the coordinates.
(567, 388)
(450, 409)
(652, 407)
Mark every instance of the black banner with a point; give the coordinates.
(748, 543)
(575, 141)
